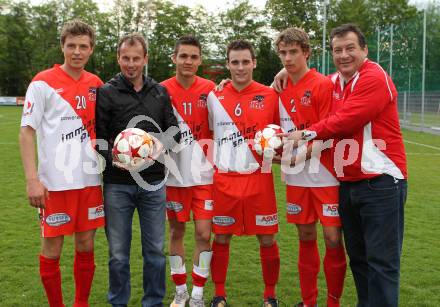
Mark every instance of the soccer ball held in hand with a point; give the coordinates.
(266, 141)
(131, 147)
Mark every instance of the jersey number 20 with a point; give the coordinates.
(81, 102)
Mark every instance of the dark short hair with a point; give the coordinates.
(294, 36)
(187, 40)
(131, 39)
(240, 44)
(77, 27)
(342, 30)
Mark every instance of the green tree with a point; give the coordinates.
(243, 21)
(44, 27)
(433, 47)
(374, 16)
(298, 13)
(387, 12)
(408, 52)
(370, 14)
(350, 11)
(15, 55)
(169, 22)
(104, 54)
(268, 63)
(294, 13)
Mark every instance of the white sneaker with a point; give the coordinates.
(180, 299)
(196, 302)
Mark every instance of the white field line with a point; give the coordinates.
(423, 145)
(422, 154)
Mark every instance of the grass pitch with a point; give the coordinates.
(19, 279)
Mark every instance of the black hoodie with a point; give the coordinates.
(117, 104)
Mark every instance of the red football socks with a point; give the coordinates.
(50, 275)
(270, 264)
(308, 268)
(219, 267)
(83, 270)
(335, 266)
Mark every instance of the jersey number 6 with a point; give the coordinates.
(238, 110)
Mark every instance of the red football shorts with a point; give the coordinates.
(72, 211)
(244, 204)
(307, 205)
(182, 200)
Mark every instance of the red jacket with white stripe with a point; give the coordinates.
(365, 126)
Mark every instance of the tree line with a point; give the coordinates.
(29, 34)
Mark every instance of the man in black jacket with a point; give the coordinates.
(131, 99)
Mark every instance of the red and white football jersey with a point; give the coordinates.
(301, 105)
(235, 117)
(190, 109)
(62, 111)
(366, 119)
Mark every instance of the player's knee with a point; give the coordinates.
(177, 233)
(266, 241)
(307, 235)
(84, 245)
(306, 232)
(84, 242)
(332, 240)
(203, 235)
(51, 247)
(223, 239)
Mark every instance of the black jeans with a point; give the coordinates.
(371, 212)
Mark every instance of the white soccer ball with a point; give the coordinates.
(131, 146)
(266, 141)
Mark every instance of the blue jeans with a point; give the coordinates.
(371, 212)
(120, 201)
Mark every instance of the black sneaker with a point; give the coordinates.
(270, 302)
(301, 304)
(218, 301)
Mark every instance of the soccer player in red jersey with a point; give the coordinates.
(190, 190)
(244, 196)
(60, 109)
(311, 194)
(370, 163)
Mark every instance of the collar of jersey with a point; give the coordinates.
(58, 67)
(244, 90)
(196, 79)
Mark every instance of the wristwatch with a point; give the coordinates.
(308, 135)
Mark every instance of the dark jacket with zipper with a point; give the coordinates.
(117, 104)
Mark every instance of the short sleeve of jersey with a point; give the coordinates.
(33, 108)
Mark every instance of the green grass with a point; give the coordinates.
(19, 279)
(431, 119)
